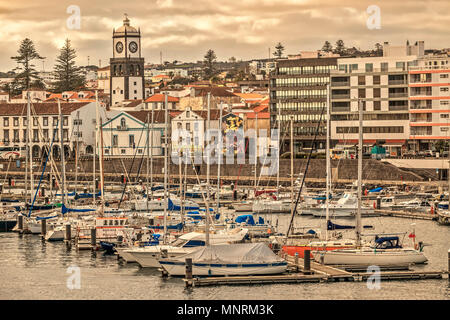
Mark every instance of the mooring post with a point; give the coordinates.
(20, 223)
(93, 238)
(378, 203)
(296, 261)
(307, 262)
(68, 234)
(43, 228)
(188, 281)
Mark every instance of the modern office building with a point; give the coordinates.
(298, 88)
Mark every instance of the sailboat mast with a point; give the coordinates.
(256, 150)
(166, 151)
(328, 163)
(151, 157)
(360, 155)
(292, 163)
(278, 151)
(63, 167)
(219, 156)
(207, 174)
(76, 152)
(29, 146)
(148, 157)
(93, 159)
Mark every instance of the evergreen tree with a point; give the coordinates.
(68, 76)
(27, 53)
(327, 47)
(279, 49)
(209, 70)
(378, 48)
(340, 47)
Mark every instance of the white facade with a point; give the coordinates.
(126, 136)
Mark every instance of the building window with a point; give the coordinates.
(384, 66)
(361, 80)
(123, 123)
(121, 91)
(376, 92)
(25, 122)
(444, 102)
(361, 93)
(377, 105)
(115, 141)
(376, 79)
(45, 121)
(444, 129)
(123, 151)
(444, 75)
(444, 115)
(6, 135)
(6, 122)
(16, 122)
(131, 141)
(65, 121)
(444, 89)
(135, 91)
(353, 67)
(400, 65)
(188, 126)
(135, 83)
(55, 121)
(369, 67)
(35, 121)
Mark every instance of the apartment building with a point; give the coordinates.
(78, 125)
(381, 84)
(298, 88)
(429, 102)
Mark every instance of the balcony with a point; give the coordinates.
(340, 96)
(397, 82)
(398, 94)
(122, 128)
(340, 83)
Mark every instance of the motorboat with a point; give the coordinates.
(227, 260)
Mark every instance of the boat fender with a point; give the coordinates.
(374, 204)
(432, 210)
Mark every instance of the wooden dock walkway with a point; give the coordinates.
(318, 273)
(406, 214)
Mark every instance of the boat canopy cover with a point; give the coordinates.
(387, 242)
(247, 218)
(173, 207)
(376, 189)
(64, 210)
(236, 253)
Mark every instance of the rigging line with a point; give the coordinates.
(131, 168)
(306, 170)
(40, 179)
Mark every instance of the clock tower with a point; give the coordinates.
(127, 65)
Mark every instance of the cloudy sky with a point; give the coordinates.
(185, 29)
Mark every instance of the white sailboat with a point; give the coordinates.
(364, 255)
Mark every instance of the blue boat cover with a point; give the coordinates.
(64, 210)
(247, 218)
(376, 189)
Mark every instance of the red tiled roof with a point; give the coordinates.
(159, 116)
(20, 109)
(159, 97)
(261, 115)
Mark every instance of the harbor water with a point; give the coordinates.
(34, 269)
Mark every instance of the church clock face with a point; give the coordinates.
(133, 47)
(119, 47)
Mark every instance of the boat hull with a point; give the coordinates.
(7, 225)
(292, 250)
(367, 258)
(202, 269)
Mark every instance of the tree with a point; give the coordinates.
(208, 64)
(27, 53)
(340, 47)
(327, 47)
(232, 60)
(378, 48)
(279, 48)
(68, 76)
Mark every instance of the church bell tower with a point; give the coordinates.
(127, 65)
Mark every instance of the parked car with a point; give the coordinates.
(409, 153)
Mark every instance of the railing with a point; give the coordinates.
(398, 95)
(396, 82)
(340, 84)
(340, 96)
(122, 128)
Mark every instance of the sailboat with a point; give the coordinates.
(363, 254)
